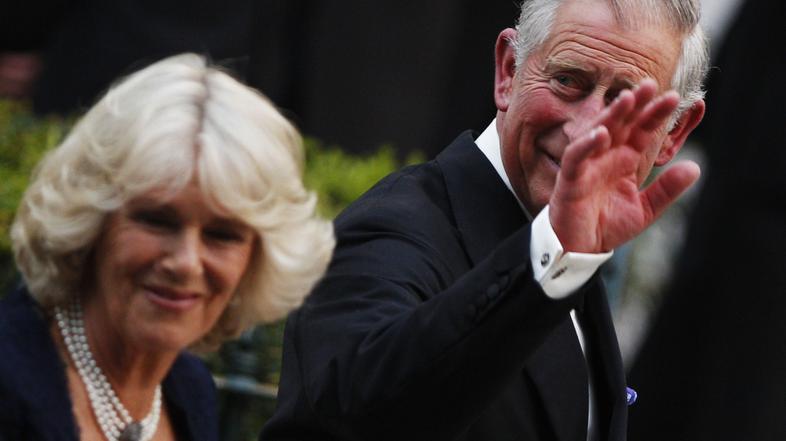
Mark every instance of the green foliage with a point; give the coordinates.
(23, 141)
(340, 178)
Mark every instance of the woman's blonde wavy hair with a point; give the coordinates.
(158, 128)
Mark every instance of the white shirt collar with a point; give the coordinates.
(488, 143)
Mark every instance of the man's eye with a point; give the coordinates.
(611, 95)
(565, 80)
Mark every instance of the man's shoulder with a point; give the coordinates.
(415, 196)
(407, 191)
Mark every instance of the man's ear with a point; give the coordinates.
(688, 121)
(505, 68)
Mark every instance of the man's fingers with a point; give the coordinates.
(615, 116)
(627, 108)
(620, 162)
(668, 186)
(582, 149)
(658, 111)
(643, 94)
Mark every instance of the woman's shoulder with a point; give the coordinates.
(33, 390)
(15, 303)
(23, 328)
(191, 366)
(190, 380)
(191, 393)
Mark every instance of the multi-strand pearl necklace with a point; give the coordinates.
(113, 418)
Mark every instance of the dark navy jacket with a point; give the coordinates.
(34, 400)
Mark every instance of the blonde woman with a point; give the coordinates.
(172, 217)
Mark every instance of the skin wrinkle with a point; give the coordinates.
(634, 19)
(599, 50)
(562, 65)
(604, 63)
(672, 17)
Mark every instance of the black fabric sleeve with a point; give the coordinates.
(403, 340)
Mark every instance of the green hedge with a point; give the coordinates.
(23, 141)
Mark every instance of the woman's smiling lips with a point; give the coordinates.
(171, 299)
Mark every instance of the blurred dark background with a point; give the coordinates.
(712, 366)
(358, 74)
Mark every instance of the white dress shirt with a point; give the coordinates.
(560, 273)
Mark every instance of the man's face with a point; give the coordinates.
(557, 93)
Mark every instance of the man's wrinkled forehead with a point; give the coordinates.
(586, 38)
(627, 13)
(681, 15)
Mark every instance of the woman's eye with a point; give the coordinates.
(225, 235)
(154, 219)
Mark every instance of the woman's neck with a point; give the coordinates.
(132, 370)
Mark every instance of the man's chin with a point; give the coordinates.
(540, 199)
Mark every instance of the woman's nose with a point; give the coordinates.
(184, 257)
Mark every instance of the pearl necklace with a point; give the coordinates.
(113, 418)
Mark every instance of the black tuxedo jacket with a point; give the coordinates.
(430, 326)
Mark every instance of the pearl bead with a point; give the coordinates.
(112, 416)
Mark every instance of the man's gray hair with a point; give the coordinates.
(537, 17)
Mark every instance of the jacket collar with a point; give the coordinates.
(486, 212)
(608, 370)
(36, 373)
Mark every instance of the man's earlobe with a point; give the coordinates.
(676, 137)
(505, 68)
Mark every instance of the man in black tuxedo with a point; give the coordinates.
(448, 312)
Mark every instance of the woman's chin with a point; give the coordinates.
(163, 340)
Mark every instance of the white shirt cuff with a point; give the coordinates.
(559, 273)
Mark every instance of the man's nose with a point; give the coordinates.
(583, 116)
(184, 256)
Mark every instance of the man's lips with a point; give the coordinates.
(557, 161)
(176, 300)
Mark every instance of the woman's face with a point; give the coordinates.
(166, 267)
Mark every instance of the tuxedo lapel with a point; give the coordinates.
(485, 210)
(486, 213)
(607, 368)
(558, 370)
